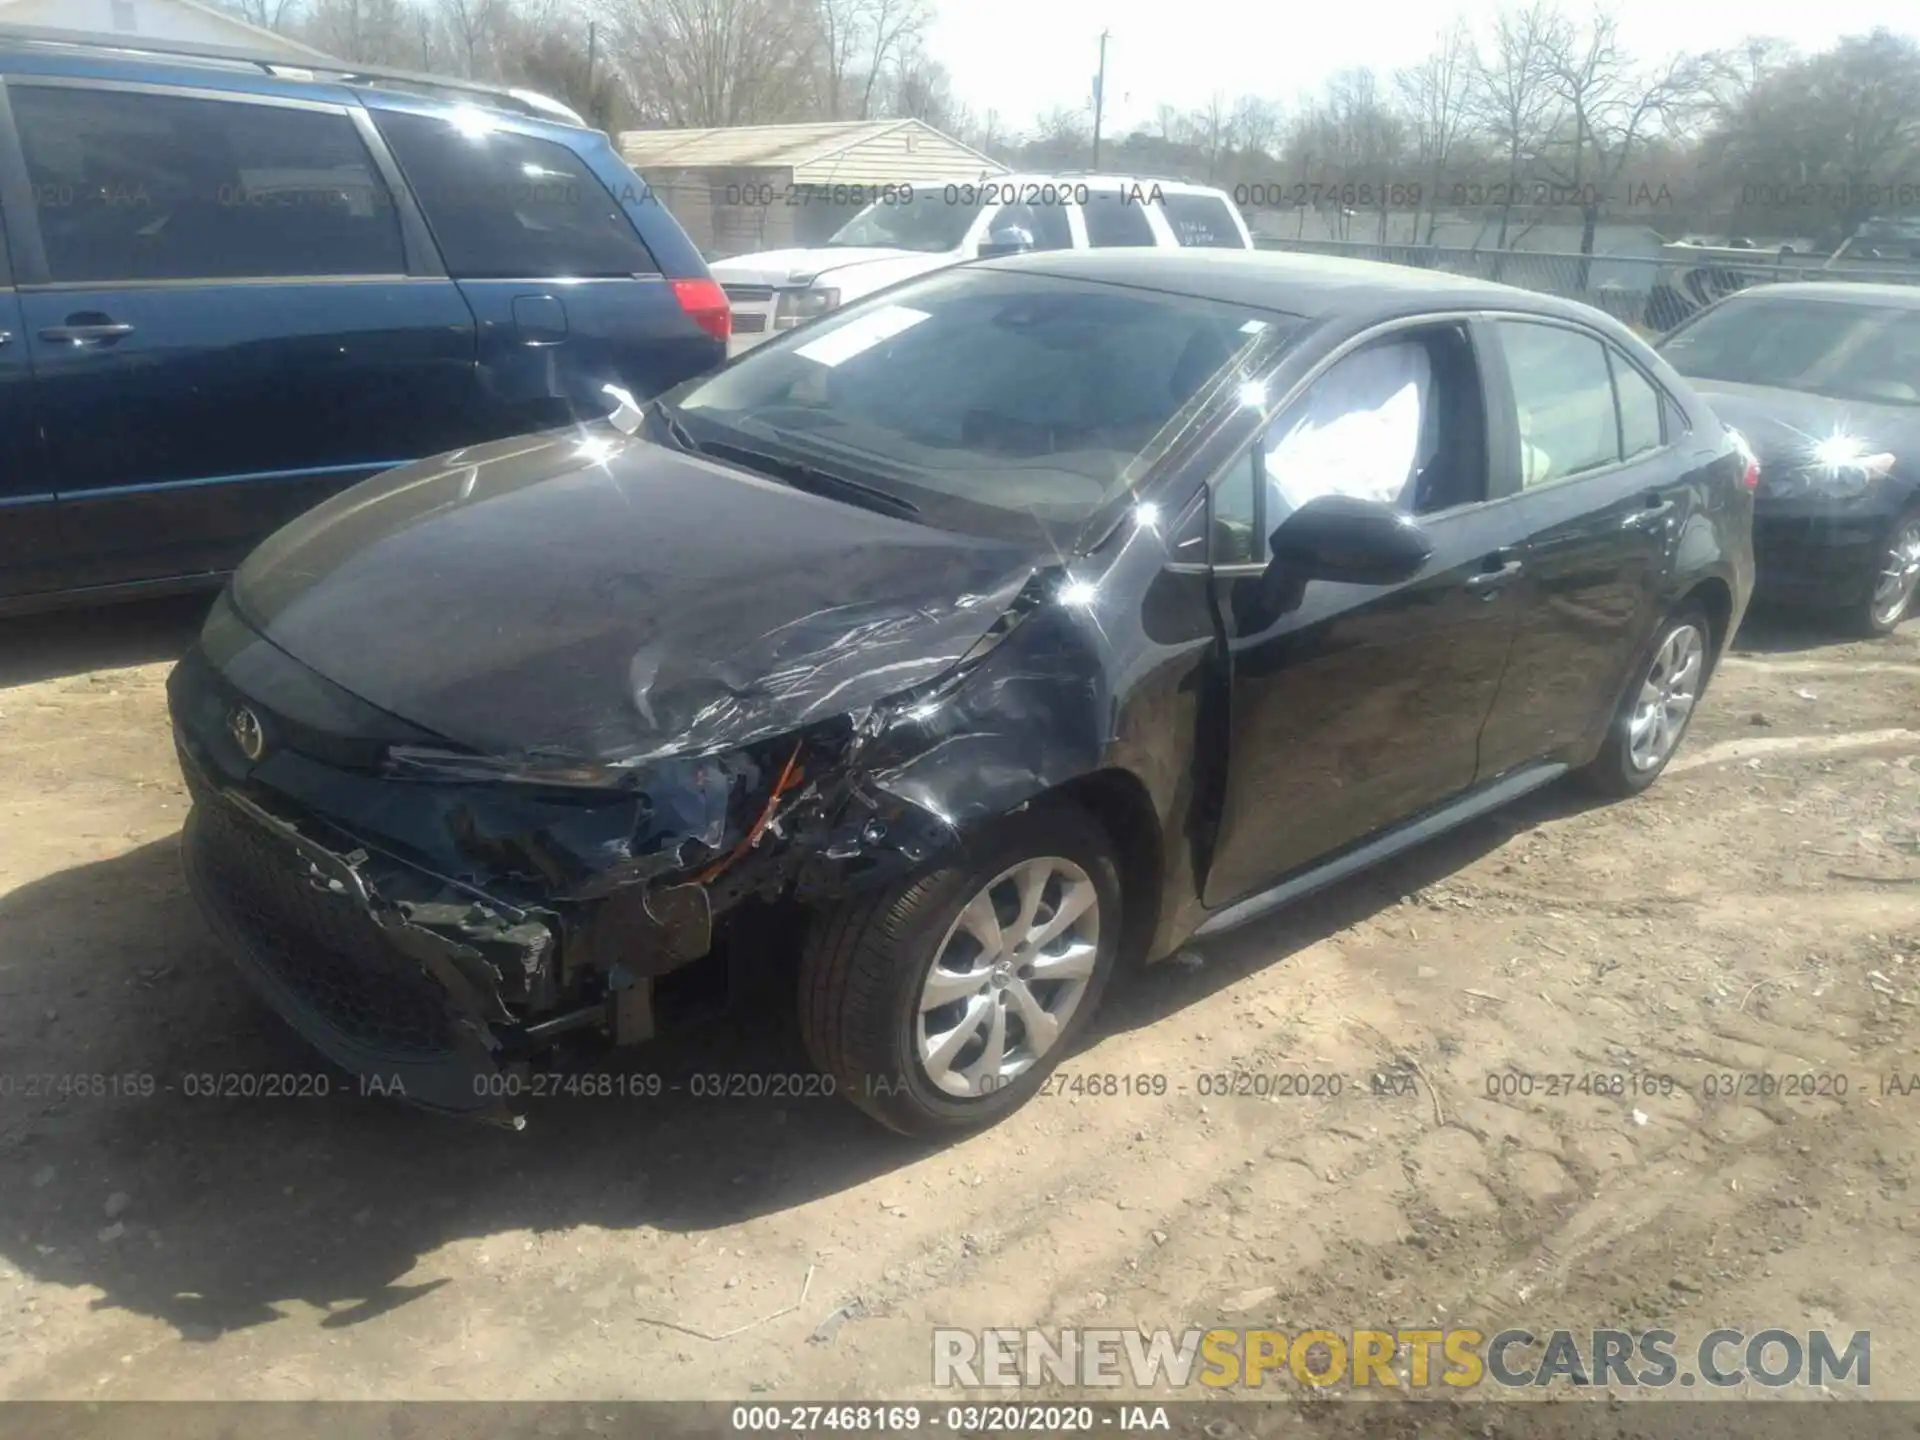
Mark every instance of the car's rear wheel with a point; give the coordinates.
(1895, 580)
(1661, 696)
(941, 1004)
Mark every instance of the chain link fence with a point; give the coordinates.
(1652, 293)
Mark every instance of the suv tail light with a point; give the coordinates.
(706, 305)
(1750, 475)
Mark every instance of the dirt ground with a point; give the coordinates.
(1759, 910)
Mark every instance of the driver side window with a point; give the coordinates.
(1400, 421)
(1363, 430)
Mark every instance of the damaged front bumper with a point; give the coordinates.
(433, 992)
(406, 993)
(442, 993)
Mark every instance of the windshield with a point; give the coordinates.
(1850, 351)
(919, 220)
(992, 402)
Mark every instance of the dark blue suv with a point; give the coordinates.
(231, 286)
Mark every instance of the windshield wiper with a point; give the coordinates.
(804, 476)
(676, 431)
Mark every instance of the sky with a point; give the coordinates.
(1023, 57)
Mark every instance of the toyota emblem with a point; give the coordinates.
(244, 726)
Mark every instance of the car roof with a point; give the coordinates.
(37, 50)
(1312, 286)
(1842, 292)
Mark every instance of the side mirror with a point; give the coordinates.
(1008, 240)
(1350, 541)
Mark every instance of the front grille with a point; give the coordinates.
(749, 324)
(320, 947)
(749, 294)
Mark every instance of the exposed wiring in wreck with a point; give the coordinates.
(789, 775)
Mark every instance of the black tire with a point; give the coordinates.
(1614, 773)
(865, 961)
(1863, 618)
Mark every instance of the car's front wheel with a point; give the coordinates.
(1652, 716)
(941, 1004)
(1895, 579)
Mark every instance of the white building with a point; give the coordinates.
(188, 22)
(744, 188)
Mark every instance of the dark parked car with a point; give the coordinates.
(230, 288)
(1031, 615)
(1824, 382)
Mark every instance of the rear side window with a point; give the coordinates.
(1639, 409)
(131, 186)
(1563, 399)
(1116, 219)
(1047, 224)
(508, 206)
(1202, 220)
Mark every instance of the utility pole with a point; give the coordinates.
(1099, 98)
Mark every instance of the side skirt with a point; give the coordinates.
(38, 602)
(1470, 806)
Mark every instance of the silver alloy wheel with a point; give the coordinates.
(1008, 975)
(1667, 696)
(1899, 575)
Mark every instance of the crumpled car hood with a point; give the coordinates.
(596, 596)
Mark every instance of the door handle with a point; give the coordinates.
(1655, 509)
(1489, 583)
(87, 334)
(6, 337)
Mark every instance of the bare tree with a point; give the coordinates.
(894, 30)
(988, 135)
(1614, 107)
(717, 62)
(842, 25)
(1437, 94)
(1256, 125)
(866, 48)
(473, 28)
(919, 88)
(545, 46)
(1513, 96)
(375, 32)
(1061, 139)
(1359, 141)
(1732, 75)
(1212, 130)
(279, 15)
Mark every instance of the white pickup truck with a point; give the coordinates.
(927, 227)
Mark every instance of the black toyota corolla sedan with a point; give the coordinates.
(1824, 381)
(1022, 621)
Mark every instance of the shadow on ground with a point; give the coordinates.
(233, 1205)
(1779, 630)
(72, 642)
